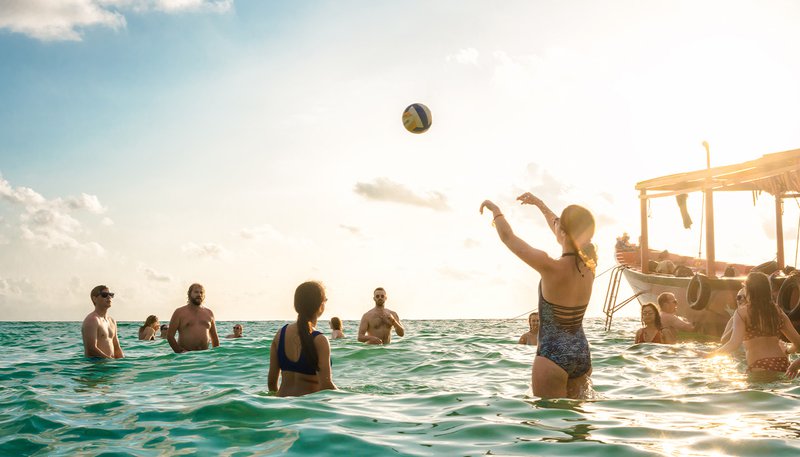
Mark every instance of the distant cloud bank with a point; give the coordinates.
(384, 189)
(48, 222)
(64, 20)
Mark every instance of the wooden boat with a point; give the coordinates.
(705, 288)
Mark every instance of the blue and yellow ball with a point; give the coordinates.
(417, 118)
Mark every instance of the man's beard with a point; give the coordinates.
(196, 301)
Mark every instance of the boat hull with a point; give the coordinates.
(709, 321)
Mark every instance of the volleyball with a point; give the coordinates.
(417, 118)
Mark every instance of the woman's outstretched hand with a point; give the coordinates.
(529, 199)
(488, 204)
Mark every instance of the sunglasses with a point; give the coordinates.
(740, 298)
(106, 294)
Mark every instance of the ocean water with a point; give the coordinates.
(448, 388)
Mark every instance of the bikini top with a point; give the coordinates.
(569, 318)
(302, 364)
(656, 338)
(753, 332)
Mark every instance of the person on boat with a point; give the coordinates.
(531, 337)
(669, 320)
(377, 324)
(336, 328)
(147, 332)
(651, 326)
(563, 363)
(624, 242)
(758, 324)
(299, 354)
(99, 330)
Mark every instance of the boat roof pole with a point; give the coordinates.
(779, 229)
(711, 269)
(643, 248)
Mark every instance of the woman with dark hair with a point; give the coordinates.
(148, 330)
(758, 324)
(563, 364)
(299, 353)
(651, 325)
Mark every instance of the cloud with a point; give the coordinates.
(469, 243)
(206, 250)
(107, 221)
(468, 56)
(153, 275)
(383, 189)
(454, 273)
(268, 233)
(352, 230)
(64, 20)
(48, 222)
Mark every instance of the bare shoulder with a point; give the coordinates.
(91, 318)
(208, 312)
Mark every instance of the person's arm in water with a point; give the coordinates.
(737, 336)
(536, 258)
(681, 324)
(324, 371)
(174, 322)
(790, 333)
(117, 348)
(274, 369)
(726, 335)
(90, 340)
(213, 331)
(791, 372)
(394, 320)
(362, 332)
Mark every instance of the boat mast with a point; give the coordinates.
(711, 270)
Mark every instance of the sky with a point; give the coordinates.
(251, 146)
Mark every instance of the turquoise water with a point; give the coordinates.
(447, 388)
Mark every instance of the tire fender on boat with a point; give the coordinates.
(698, 292)
(790, 289)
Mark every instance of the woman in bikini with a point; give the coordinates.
(563, 364)
(758, 324)
(300, 354)
(651, 325)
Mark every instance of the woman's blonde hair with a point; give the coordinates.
(578, 225)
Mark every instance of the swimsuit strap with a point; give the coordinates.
(577, 257)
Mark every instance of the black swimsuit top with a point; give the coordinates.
(302, 365)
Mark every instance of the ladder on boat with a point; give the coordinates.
(610, 306)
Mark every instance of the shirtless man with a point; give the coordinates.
(194, 323)
(237, 331)
(669, 321)
(377, 323)
(99, 330)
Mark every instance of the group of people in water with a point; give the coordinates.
(300, 356)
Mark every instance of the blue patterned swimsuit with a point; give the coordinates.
(561, 337)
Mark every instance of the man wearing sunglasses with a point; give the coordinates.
(670, 322)
(237, 331)
(377, 324)
(194, 324)
(99, 330)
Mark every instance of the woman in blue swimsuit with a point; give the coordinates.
(300, 354)
(563, 364)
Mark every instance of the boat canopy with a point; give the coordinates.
(777, 174)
